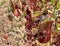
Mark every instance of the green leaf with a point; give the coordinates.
(57, 26)
(36, 12)
(54, 13)
(2, 3)
(53, 2)
(24, 14)
(43, 1)
(58, 5)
